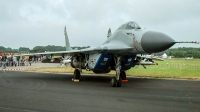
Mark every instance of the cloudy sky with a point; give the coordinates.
(30, 23)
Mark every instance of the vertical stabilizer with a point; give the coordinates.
(67, 40)
(109, 33)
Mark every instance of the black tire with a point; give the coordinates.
(123, 75)
(77, 74)
(113, 82)
(119, 82)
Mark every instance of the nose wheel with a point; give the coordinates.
(115, 83)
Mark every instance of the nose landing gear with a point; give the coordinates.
(122, 78)
(120, 75)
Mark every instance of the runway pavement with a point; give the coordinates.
(45, 92)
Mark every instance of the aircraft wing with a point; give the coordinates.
(106, 48)
(57, 53)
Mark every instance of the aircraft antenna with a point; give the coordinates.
(195, 42)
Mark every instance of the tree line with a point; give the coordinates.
(180, 52)
(40, 49)
(21, 49)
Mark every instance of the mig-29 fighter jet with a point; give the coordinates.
(117, 53)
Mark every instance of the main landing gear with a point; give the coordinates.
(77, 75)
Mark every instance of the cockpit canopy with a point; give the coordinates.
(130, 25)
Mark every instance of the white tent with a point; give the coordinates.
(164, 56)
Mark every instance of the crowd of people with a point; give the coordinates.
(9, 59)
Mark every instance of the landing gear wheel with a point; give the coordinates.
(113, 82)
(123, 75)
(77, 74)
(119, 82)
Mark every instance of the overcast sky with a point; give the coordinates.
(30, 23)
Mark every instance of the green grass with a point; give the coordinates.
(164, 73)
(174, 68)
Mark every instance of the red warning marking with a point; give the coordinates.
(124, 80)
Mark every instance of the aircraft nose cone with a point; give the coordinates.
(156, 42)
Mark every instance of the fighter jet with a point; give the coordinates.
(117, 53)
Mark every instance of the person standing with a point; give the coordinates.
(14, 61)
(30, 60)
(18, 57)
(11, 61)
(1, 59)
(20, 60)
(4, 60)
(27, 60)
(23, 61)
(35, 58)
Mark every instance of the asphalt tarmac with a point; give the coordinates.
(46, 92)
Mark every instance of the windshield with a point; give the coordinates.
(129, 25)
